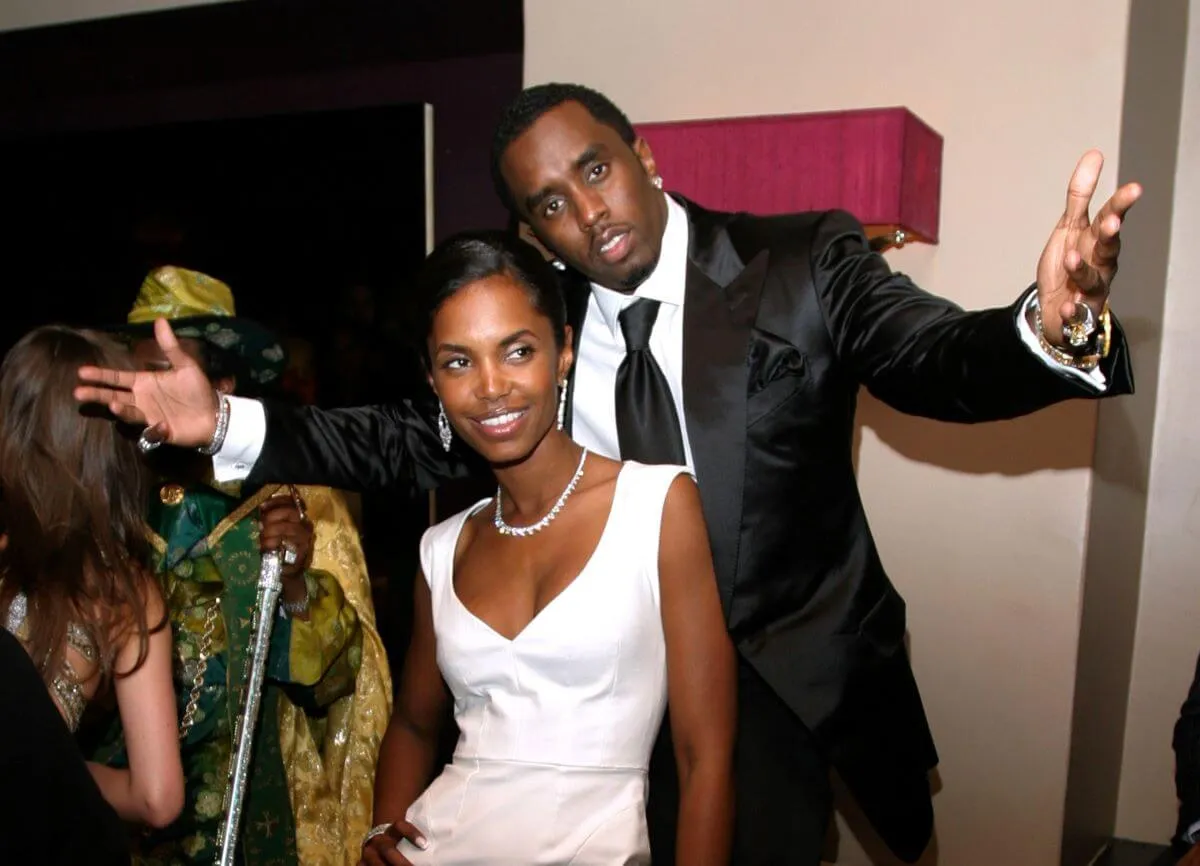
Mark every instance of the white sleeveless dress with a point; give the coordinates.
(557, 724)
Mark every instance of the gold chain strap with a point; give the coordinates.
(206, 639)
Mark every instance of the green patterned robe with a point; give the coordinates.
(208, 560)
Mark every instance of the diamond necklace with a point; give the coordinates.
(524, 531)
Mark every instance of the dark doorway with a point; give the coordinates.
(296, 212)
(266, 144)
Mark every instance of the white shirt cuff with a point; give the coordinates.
(1094, 377)
(1192, 836)
(244, 440)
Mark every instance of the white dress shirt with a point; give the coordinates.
(602, 344)
(601, 349)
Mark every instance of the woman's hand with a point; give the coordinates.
(383, 850)
(701, 681)
(408, 753)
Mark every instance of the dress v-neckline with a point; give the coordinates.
(539, 615)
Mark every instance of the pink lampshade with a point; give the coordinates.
(884, 165)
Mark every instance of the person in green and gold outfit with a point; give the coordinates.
(328, 692)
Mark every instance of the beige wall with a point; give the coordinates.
(982, 529)
(17, 14)
(1168, 636)
(1128, 431)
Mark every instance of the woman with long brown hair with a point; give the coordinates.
(72, 586)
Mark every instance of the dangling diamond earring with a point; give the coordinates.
(444, 431)
(557, 265)
(562, 403)
(657, 181)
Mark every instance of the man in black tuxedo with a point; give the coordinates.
(736, 344)
(1185, 845)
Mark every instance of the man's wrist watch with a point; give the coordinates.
(1091, 339)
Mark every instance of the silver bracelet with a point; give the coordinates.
(218, 437)
(377, 830)
(292, 609)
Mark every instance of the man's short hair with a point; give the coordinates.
(533, 102)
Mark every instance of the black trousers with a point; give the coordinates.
(784, 796)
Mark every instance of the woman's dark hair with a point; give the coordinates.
(467, 258)
(74, 490)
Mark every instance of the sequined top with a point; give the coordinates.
(65, 687)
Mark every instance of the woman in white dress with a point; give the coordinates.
(560, 616)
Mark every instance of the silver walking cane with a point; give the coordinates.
(270, 584)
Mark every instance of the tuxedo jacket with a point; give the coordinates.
(1186, 743)
(784, 319)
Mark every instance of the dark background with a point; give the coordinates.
(315, 220)
(277, 145)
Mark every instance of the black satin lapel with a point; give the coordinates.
(576, 293)
(716, 336)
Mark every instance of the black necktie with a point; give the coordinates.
(647, 425)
